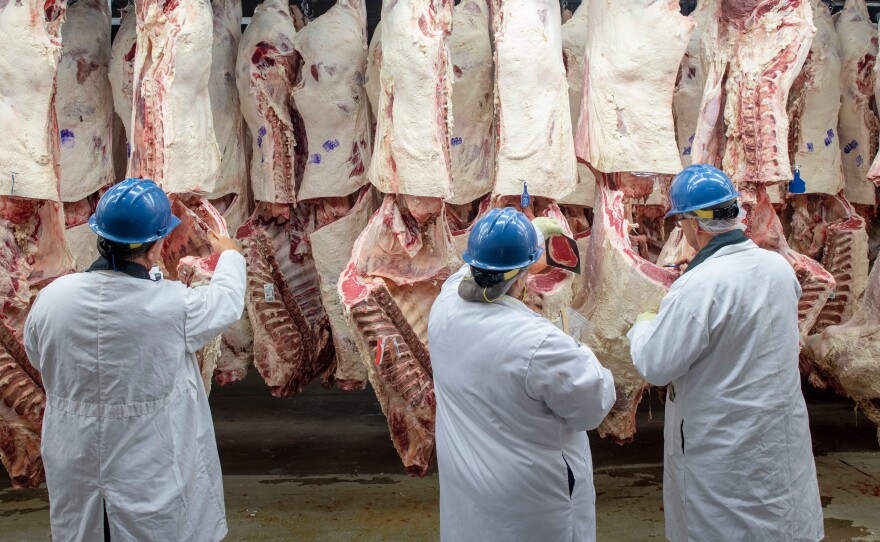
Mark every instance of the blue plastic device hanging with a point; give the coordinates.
(526, 199)
(797, 185)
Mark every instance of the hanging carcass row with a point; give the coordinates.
(33, 251)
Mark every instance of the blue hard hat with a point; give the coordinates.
(133, 211)
(503, 240)
(700, 186)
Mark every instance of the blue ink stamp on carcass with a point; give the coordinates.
(810, 147)
(851, 146)
(859, 160)
(260, 133)
(686, 151)
(691, 139)
(67, 139)
(455, 141)
(330, 144)
(315, 159)
(128, 150)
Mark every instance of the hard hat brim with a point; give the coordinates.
(690, 208)
(173, 223)
(487, 267)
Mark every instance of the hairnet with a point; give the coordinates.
(111, 249)
(469, 290)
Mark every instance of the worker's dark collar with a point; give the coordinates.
(131, 269)
(732, 237)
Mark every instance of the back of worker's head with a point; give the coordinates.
(501, 247)
(707, 194)
(130, 217)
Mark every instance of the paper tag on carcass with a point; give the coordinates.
(156, 274)
(269, 292)
(578, 327)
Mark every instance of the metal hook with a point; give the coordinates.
(306, 8)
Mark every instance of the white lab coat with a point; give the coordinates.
(738, 461)
(127, 419)
(515, 397)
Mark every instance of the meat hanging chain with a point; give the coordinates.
(352, 172)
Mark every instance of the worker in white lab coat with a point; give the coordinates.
(128, 442)
(515, 397)
(738, 461)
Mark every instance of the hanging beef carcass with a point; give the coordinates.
(534, 136)
(33, 251)
(330, 97)
(625, 125)
(400, 260)
(266, 69)
(574, 42)
(472, 140)
(824, 225)
(292, 343)
(752, 55)
(230, 194)
(411, 153)
(172, 127)
(337, 130)
(534, 144)
(859, 126)
(84, 106)
(846, 356)
(121, 72)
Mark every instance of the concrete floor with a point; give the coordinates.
(320, 466)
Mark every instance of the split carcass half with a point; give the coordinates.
(859, 126)
(33, 251)
(404, 254)
(472, 141)
(846, 356)
(330, 97)
(84, 106)
(230, 195)
(411, 154)
(533, 126)
(172, 139)
(754, 54)
(814, 108)
(121, 73)
(574, 43)
(266, 72)
(626, 125)
(397, 267)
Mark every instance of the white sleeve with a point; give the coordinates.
(31, 340)
(569, 379)
(664, 348)
(213, 307)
